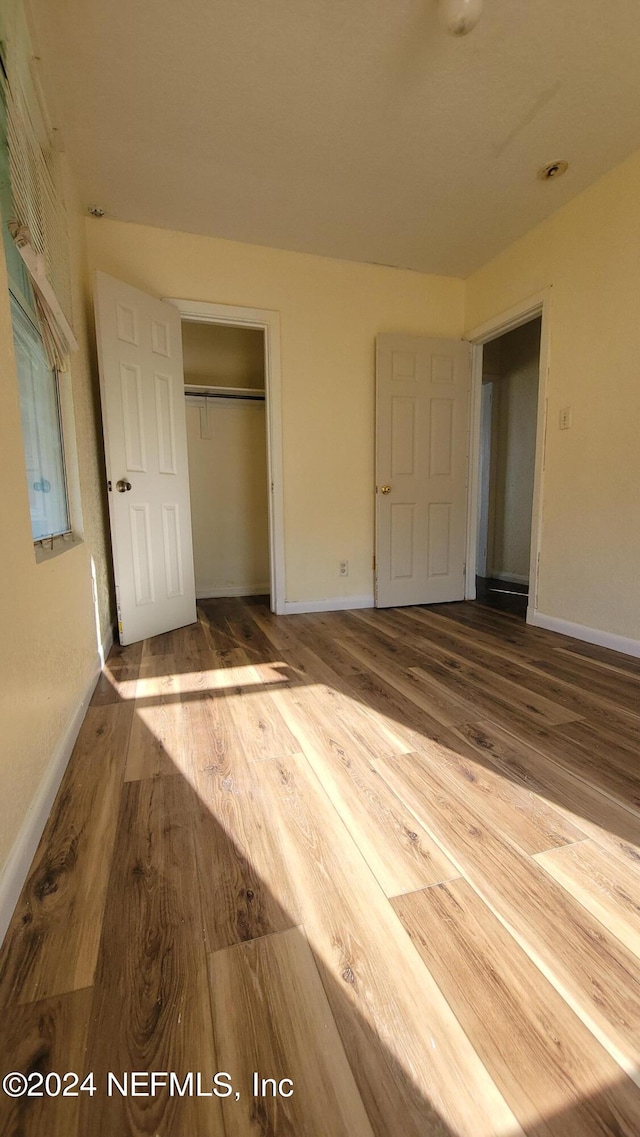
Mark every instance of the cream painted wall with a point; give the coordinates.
(50, 643)
(514, 451)
(228, 482)
(589, 253)
(221, 356)
(330, 314)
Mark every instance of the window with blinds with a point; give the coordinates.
(41, 428)
(34, 237)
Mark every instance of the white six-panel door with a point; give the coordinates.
(422, 420)
(143, 413)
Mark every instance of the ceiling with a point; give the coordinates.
(349, 128)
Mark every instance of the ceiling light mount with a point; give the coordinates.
(553, 170)
(458, 17)
(96, 211)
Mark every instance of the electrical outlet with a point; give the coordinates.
(565, 418)
(343, 569)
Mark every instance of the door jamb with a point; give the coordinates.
(522, 313)
(269, 322)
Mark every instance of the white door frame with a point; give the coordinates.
(268, 322)
(522, 313)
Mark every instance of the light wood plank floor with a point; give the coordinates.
(390, 859)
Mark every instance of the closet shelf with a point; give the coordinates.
(252, 394)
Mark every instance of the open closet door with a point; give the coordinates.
(422, 428)
(143, 415)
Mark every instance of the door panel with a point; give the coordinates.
(422, 419)
(143, 412)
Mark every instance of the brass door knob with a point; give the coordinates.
(123, 485)
(385, 489)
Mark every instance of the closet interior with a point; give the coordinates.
(224, 377)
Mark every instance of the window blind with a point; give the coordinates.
(39, 221)
(40, 414)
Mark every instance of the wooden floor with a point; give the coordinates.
(392, 856)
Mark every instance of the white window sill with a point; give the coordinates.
(45, 552)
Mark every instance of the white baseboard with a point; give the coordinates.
(19, 860)
(510, 577)
(581, 632)
(335, 604)
(213, 591)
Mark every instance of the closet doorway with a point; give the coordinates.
(231, 383)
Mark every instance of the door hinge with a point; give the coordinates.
(109, 485)
(374, 564)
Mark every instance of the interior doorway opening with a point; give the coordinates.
(225, 393)
(509, 401)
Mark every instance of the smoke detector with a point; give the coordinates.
(553, 170)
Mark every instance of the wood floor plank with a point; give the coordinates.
(613, 755)
(446, 697)
(447, 710)
(150, 1007)
(271, 1016)
(605, 887)
(582, 701)
(401, 855)
(338, 716)
(597, 975)
(368, 719)
(380, 994)
(190, 640)
(553, 1073)
(451, 634)
(602, 818)
(51, 945)
(158, 730)
(260, 730)
(247, 685)
(503, 683)
(422, 629)
(603, 656)
(604, 688)
(235, 619)
(583, 750)
(233, 627)
(548, 677)
(483, 685)
(48, 1036)
(499, 624)
(245, 884)
(506, 804)
(185, 716)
